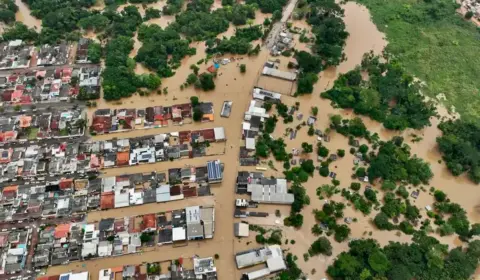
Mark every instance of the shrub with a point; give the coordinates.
(355, 186)
(243, 68)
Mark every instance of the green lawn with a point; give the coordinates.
(435, 44)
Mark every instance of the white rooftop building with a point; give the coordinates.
(254, 110)
(271, 193)
(271, 255)
(272, 72)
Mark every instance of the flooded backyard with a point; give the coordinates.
(236, 87)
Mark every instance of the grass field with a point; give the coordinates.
(435, 44)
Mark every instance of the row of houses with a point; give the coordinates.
(70, 197)
(154, 148)
(17, 54)
(14, 250)
(75, 157)
(254, 118)
(63, 123)
(67, 276)
(179, 269)
(121, 120)
(49, 84)
(65, 243)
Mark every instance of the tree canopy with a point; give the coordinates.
(161, 48)
(394, 162)
(389, 96)
(424, 259)
(460, 147)
(7, 11)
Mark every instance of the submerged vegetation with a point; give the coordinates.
(435, 44)
(389, 96)
(394, 163)
(460, 146)
(328, 28)
(424, 259)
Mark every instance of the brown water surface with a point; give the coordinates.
(234, 86)
(24, 16)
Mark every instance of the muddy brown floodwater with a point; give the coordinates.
(234, 86)
(24, 16)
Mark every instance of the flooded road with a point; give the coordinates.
(236, 87)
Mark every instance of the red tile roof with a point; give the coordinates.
(122, 158)
(66, 184)
(107, 200)
(149, 221)
(61, 231)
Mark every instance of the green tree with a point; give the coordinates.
(197, 114)
(379, 262)
(151, 13)
(439, 196)
(94, 52)
(324, 171)
(206, 81)
(321, 246)
(243, 68)
(388, 185)
(191, 79)
(341, 233)
(382, 222)
(194, 101)
(307, 148)
(322, 151)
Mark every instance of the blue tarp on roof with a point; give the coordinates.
(214, 170)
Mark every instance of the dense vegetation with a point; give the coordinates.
(7, 11)
(329, 30)
(161, 48)
(20, 31)
(435, 44)
(269, 6)
(330, 35)
(460, 146)
(119, 80)
(393, 162)
(424, 259)
(389, 96)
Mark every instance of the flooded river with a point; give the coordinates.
(235, 86)
(24, 16)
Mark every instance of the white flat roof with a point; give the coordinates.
(289, 76)
(219, 133)
(276, 264)
(250, 143)
(257, 274)
(274, 194)
(179, 234)
(104, 274)
(79, 276)
(241, 229)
